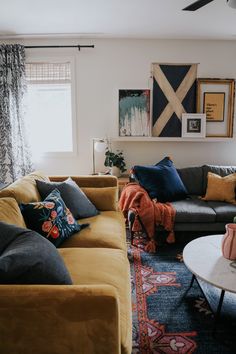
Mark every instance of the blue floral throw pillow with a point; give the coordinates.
(51, 218)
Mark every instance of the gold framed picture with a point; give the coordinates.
(215, 98)
(214, 106)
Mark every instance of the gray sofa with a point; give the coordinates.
(193, 214)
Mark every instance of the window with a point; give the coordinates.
(49, 115)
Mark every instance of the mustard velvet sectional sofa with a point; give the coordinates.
(94, 314)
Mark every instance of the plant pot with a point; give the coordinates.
(115, 171)
(229, 242)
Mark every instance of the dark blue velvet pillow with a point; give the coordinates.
(51, 218)
(161, 181)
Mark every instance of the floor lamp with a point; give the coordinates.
(99, 145)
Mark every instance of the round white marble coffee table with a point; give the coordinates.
(203, 257)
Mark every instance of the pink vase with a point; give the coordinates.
(229, 242)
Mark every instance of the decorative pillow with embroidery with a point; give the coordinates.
(51, 218)
(221, 188)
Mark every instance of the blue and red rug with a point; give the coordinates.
(166, 317)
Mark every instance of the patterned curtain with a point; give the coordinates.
(15, 158)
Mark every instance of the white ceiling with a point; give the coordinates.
(116, 18)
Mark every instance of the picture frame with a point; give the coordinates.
(193, 125)
(134, 112)
(216, 98)
(169, 99)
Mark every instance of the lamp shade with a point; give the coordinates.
(232, 3)
(100, 146)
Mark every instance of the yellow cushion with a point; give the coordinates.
(103, 198)
(221, 188)
(91, 266)
(24, 190)
(106, 230)
(10, 212)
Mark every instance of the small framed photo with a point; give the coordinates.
(193, 125)
(215, 97)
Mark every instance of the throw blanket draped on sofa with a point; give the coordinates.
(151, 212)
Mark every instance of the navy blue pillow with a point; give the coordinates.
(51, 218)
(161, 181)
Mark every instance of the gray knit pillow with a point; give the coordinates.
(74, 198)
(28, 258)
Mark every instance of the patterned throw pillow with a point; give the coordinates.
(51, 218)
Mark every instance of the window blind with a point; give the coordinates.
(48, 73)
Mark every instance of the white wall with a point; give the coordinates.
(118, 63)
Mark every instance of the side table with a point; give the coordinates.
(122, 181)
(203, 257)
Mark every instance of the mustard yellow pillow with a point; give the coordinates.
(24, 190)
(10, 212)
(221, 188)
(104, 199)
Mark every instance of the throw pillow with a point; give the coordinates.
(28, 258)
(104, 198)
(51, 218)
(221, 188)
(161, 181)
(10, 212)
(24, 189)
(74, 198)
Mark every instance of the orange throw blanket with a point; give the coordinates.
(151, 212)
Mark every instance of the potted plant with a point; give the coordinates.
(116, 161)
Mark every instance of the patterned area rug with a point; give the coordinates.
(167, 316)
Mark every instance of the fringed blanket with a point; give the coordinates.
(151, 212)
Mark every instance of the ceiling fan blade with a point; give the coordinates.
(197, 5)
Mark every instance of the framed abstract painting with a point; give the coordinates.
(134, 112)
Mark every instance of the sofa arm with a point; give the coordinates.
(47, 319)
(89, 181)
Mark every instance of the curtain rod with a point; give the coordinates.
(59, 46)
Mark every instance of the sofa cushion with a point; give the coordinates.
(105, 199)
(106, 230)
(192, 178)
(161, 181)
(225, 212)
(193, 211)
(24, 190)
(28, 258)
(221, 188)
(74, 198)
(219, 170)
(10, 212)
(51, 218)
(93, 266)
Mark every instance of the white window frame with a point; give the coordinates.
(72, 61)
